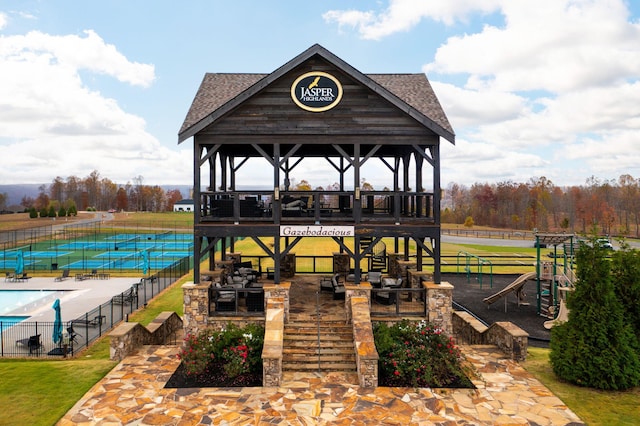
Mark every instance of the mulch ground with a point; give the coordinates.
(469, 293)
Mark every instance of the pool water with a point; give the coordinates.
(9, 321)
(16, 300)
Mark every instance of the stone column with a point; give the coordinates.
(440, 305)
(341, 263)
(234, 257)
(195, 306)
(355, 290)
(394, 267)
(278, 291)
(288, 266)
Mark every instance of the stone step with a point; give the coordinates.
(295, 337)
(324, 366)
(303, 356)
(312, 332)
(331, 344)
(333, 350)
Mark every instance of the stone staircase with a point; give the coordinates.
(301, 352)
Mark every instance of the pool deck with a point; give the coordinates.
(76, 297)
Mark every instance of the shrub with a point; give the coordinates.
(596, 346)
(625, 268)
(240, 350)
(418, 354)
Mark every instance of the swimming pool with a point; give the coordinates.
(20, 301)
(10, 321)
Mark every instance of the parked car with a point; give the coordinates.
(604, 243)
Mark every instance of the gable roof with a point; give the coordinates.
(220, 93)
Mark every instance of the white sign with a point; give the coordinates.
(317, 231)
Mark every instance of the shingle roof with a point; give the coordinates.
(412, 90)
(215, 91)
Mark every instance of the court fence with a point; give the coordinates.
(35, 338)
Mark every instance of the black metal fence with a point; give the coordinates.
(35, 338)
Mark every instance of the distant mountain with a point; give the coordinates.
(15, 193)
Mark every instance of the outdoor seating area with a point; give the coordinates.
(242, 283)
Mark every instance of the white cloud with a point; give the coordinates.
(52, 124)
(403, 15)
(549, 45)
(549, 87)
(3, 20)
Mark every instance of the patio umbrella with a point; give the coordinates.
(19, 263)
(57, 324)
(145, 262)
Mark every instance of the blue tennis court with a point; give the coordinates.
(119, 251)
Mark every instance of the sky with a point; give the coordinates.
(532, 88)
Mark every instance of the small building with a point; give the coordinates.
(183, 206)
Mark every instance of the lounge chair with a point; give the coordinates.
(388, 297)
(225, 299)
(375, 278)
(95, 322)
(339, 290)
(63, 276)
(23, 277)
(33, 343)
(9, 276)
(125, 297)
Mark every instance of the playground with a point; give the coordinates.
(531, 300)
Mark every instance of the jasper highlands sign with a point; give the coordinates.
(316, 91)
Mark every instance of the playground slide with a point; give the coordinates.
(514, 286)
(563, 316)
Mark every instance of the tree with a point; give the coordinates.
(595, 347)
(468, 222)
(626, 273)
(173, 196)
(52, 211)
(122, 201)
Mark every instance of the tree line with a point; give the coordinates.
(97, 193)
(610, 207)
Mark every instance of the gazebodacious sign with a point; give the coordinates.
(316, 91)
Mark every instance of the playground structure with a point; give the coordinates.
(553, 279)
(480, 263)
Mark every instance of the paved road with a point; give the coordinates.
(513, 243)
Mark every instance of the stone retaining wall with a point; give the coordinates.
(195, 307)
(365, 347)
(510, 338)
(128, 337)
(273, 342)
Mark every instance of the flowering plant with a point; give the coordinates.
(418, 354)
(238, 350)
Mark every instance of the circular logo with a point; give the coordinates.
(316, 91)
